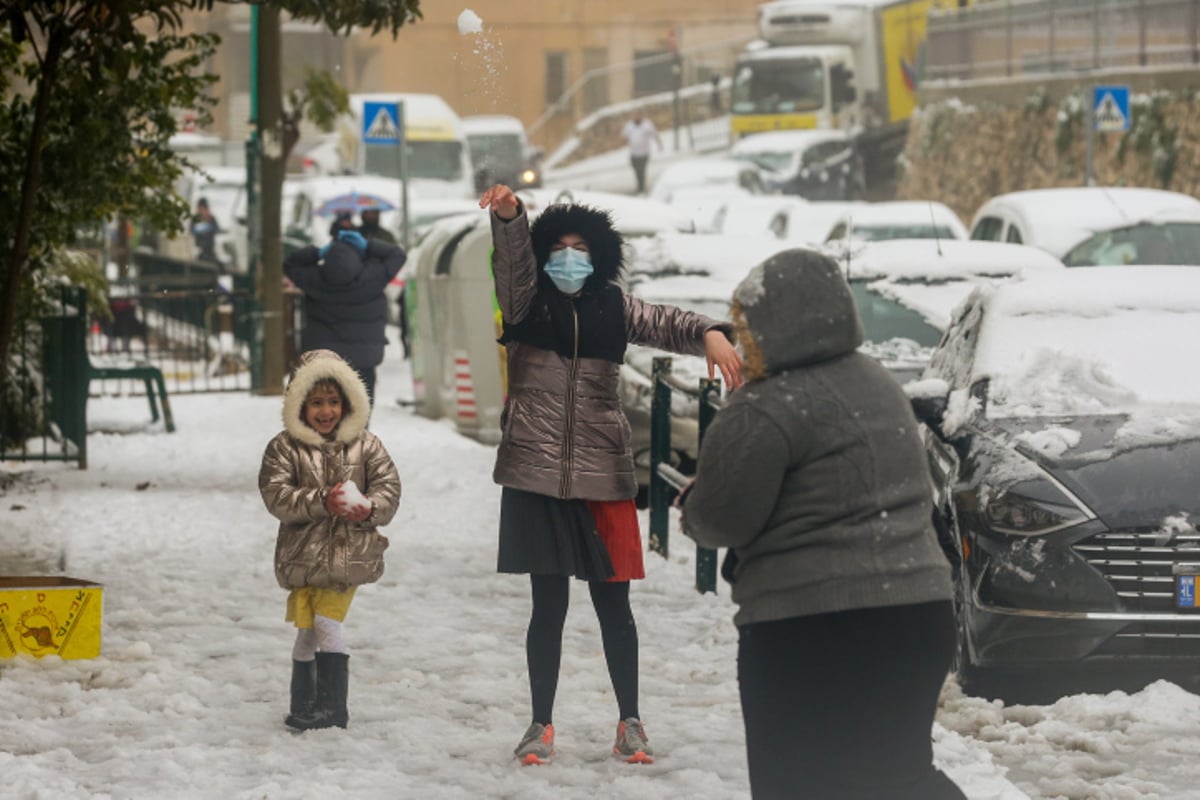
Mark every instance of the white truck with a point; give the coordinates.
(849, 64)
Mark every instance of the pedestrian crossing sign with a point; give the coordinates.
(381, 123)
(1110, 109)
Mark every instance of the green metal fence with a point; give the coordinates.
(666, 481)
(45, 416)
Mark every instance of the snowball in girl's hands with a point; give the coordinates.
(352, 499)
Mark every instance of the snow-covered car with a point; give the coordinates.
(811, 223)
(900, 219)
(634, 217)
(757, 215)
(501, 153)
(818, 164)
(906, 290)
(1062, 421)
(1096, 225)
(700, 186)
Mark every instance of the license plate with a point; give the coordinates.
(1185, 591)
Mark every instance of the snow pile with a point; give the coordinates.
(1051, 441)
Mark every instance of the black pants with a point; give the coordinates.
(543, 641)
(840, 706)
(639, 169)
(368, 378)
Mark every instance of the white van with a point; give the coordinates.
(439, 162)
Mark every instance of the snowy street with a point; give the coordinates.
(188, 697)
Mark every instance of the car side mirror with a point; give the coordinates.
(930, 399)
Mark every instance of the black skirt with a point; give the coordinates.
(542, 535)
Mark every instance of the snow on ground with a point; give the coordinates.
(188, 696)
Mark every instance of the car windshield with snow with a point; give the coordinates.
(1064, 451)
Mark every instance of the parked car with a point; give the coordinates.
(903, 219)
(757, 215)
(501, 153)
(700, 186)
(1063, 435)
(820, 164)
(1090, 226)
(906, 290)
(810, 225)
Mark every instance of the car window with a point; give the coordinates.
(876, 233)
(838, 232)
(1148, 243)
(988, 229)
(751, 183)
(1014, 235)
(885, 319)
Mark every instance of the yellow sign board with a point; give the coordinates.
(50, 616)
(904, 29)
(756, 123)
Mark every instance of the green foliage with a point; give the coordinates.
(1152, 136)
(321, 98)
(340, 16)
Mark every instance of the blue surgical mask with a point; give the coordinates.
(569, 269)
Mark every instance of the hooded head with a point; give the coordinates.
(593, 226)
(792, 310)
(316, 366)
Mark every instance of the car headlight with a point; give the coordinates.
(528, 176)
(1035, 508)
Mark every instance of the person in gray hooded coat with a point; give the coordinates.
(814, 475)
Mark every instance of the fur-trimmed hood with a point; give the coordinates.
(593, 225)
(316, 365)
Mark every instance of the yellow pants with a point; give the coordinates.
(304, 604)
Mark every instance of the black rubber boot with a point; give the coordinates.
(304, 692)
(333, 683)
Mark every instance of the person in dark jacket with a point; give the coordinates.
(371, 229)
(564, 459)
(814, 476)
(345, 307)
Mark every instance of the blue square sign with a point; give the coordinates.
(381, 123)
(1185, 591)
(1110, 108)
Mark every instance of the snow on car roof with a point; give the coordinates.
(813, 222)
(905, 212)
(1058, 219)
(774, 141)
(929, 259)
(713, 255)
(1091, 340)
(493, 123)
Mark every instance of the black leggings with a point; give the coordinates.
(543, 641)
(840, 706)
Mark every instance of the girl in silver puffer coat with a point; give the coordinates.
(331, 483)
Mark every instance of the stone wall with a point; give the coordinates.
(963, 154)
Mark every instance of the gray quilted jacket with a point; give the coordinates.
(314, 547)
(563, 431)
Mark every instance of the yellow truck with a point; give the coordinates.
(849, 64)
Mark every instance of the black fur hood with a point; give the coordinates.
(593, 225)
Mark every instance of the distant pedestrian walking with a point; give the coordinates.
(331, 484)
(204, 229)
(638, 133)
(814, 477)
(345, 305)
(565, 460)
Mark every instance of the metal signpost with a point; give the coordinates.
(383, 123)
(1107, 112)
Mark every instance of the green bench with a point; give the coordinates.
(139, 370)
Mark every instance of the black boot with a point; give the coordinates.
(304, 692)
(333, 683)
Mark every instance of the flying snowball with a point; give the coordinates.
(469, 22)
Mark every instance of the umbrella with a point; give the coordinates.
(353, 203)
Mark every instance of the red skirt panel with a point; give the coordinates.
(617, 524)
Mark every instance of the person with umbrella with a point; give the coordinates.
(346, 308)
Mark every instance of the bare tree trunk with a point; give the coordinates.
(270, 132)
(19, 255)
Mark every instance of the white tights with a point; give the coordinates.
(325, 635)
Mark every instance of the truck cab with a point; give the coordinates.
(791, 88)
